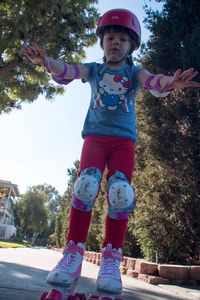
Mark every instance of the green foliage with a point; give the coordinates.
(31, 213)
(63, 28)
(61, 227)
(174, 39)
(167, 172)
(52, 203)
(166, 219)
(131, 244)
(53, 196)
(12, 244)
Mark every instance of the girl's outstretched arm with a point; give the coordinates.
(180, 80)
(58, 69)
(160, 85)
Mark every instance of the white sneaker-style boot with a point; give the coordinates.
(109, 277)
(68, 269)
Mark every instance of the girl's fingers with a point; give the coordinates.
(187, 74)
(183, 74)
(34, 50)
(177, 74)
(184, 78)
(192, 84)
(189, 77)
(27, 52)
(35, 54)
(188, 71)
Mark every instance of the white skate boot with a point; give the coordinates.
(68, 269)
(109, 277)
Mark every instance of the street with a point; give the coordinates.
(23, 274)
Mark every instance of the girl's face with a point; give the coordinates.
(116, 45)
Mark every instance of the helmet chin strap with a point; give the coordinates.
(113, 62)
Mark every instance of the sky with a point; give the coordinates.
(43, 139)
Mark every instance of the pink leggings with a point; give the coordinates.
(115, 154)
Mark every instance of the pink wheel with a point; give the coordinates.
(54, 295)
(80, 296)
(94, 297)
(43, 296)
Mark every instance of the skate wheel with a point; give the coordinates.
(80, 296)
(54, 295)
(43, 296)
(94, 297)
(106, 298)
(72, 297)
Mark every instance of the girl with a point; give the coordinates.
(109, 134)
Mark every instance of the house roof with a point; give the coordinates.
(8, 184)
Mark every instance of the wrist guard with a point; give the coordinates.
(156, 88)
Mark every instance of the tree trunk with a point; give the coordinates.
(34, 237)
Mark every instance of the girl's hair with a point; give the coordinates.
(131, 34)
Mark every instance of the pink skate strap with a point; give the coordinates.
(73, 248)
(156, 86)
(112, 254)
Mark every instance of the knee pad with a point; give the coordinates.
(86, 189)
(121, 196)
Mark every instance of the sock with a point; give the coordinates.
(79, 223)
(115, 232)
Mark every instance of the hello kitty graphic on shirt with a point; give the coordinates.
(112, 89)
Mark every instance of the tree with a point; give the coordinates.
(52, 203)
(61, 227)
(167, 173)
(53, 196)
(32, 214)
(63, 28)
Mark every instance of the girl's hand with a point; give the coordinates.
(35, 54)
(180, 80)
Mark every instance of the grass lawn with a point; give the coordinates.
(6, 244)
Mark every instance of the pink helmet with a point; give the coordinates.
(123, 18)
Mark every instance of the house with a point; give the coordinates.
(8, 193)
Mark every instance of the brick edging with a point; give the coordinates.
(151, 272)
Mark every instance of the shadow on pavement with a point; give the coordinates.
(19, 282)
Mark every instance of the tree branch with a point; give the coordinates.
(4, 70)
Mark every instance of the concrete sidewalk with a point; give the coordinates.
(23, 276)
